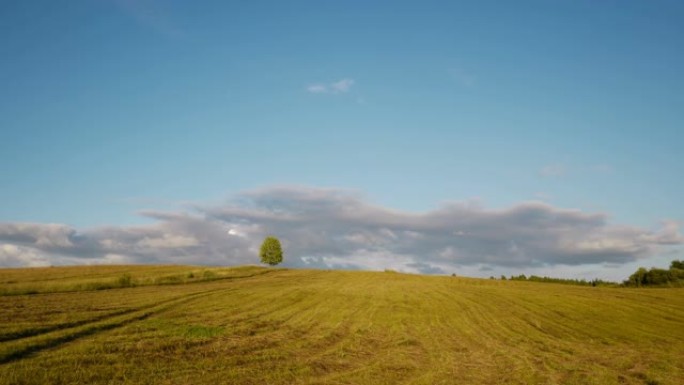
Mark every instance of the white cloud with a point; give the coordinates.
(338, 87)
(342, 86)
(115, 259)
(317, 88)
(21, 256)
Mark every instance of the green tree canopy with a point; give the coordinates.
(658, 277)
(271, 252)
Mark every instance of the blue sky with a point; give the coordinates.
(112, 107)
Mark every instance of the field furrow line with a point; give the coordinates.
(32, 332)
(19, 349)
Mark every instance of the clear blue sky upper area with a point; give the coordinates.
(108, 107)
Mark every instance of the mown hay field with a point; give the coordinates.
(251, 325)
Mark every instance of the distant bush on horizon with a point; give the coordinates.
(564, 281)
(673, 277)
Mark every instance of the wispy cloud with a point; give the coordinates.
(542, 196)
(602, 169)
(333, 228)
(560, 169)
(338, 87)
(553, 170)
(152, 14)
(342, 86)
(462, 77)
(317, 88)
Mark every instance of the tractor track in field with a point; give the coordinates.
(53, 337)
(333, 327)
(10, 336)
(32, 332)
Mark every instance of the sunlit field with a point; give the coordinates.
(251, 325)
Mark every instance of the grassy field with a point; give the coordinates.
(250, 325)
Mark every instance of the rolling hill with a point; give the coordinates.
(251, 325)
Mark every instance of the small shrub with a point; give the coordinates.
(125, 280)
(208, 274)
(169, 280)
(100, 285)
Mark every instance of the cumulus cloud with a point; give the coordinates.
(334, 228)
(42, 235)
(18, 256)
(339, 87)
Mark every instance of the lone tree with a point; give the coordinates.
(271, 252)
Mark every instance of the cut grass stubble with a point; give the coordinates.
(253, 326)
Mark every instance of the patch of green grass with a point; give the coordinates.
(274, 326)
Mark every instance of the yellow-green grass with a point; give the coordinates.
(83, 278)
(277, 326)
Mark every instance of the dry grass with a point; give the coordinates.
(268, 326)
(85, 278)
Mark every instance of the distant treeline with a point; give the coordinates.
(673, 277)
(565, 281)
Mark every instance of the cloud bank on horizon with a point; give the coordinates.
(335, 228)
